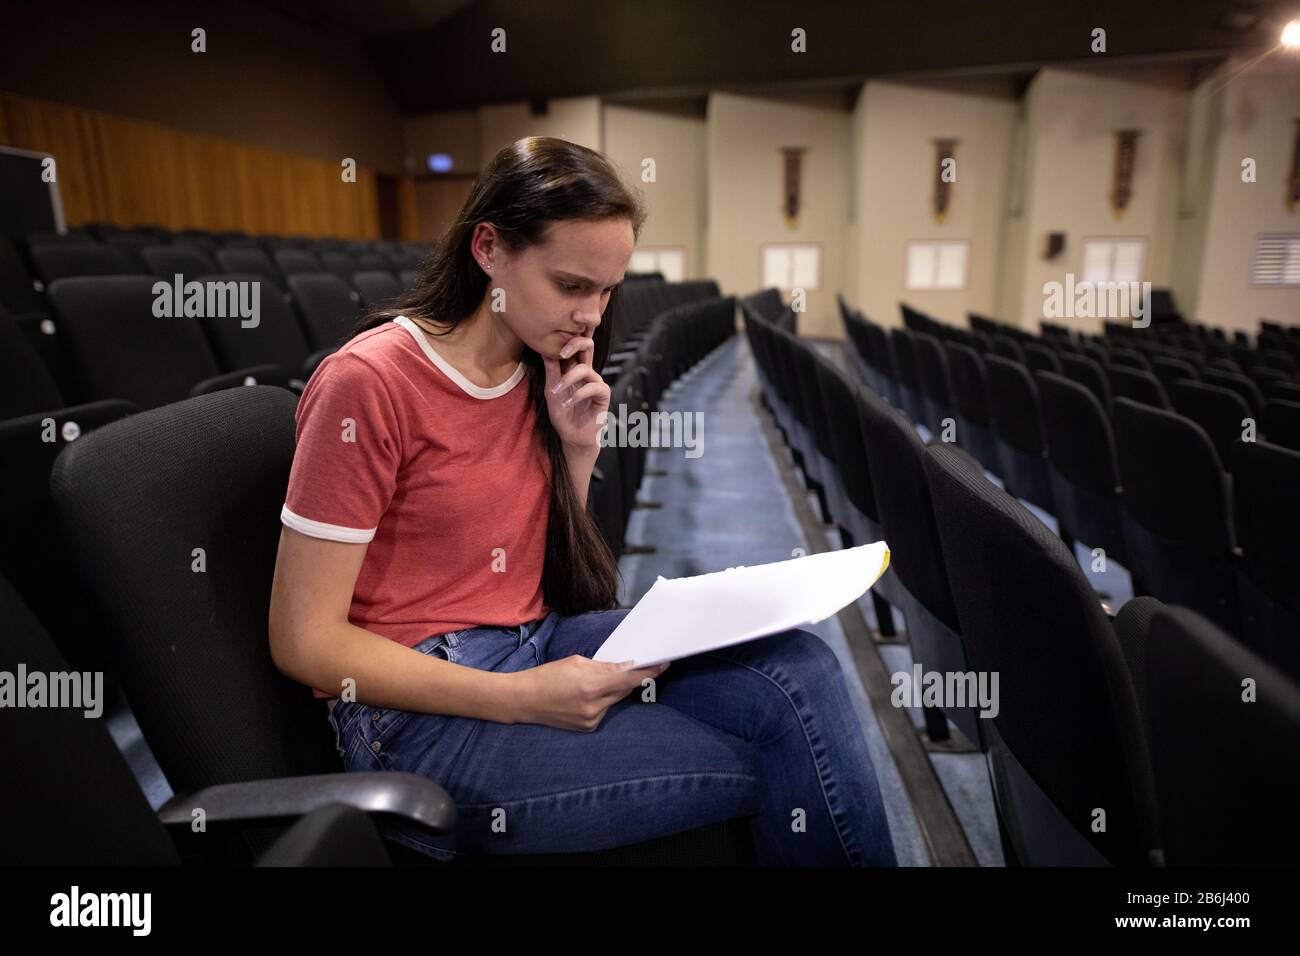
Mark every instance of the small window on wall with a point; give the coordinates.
(791, 266)
(937, 265)
(1113, 260)
(671, 262)
(1277, 260)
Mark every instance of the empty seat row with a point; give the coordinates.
(1121, 468)
(1088, 704)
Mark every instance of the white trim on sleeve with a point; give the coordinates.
(330, 532)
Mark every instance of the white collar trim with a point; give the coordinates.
(468, 387)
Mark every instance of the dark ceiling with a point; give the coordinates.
(435, 54)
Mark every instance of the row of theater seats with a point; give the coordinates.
(1181, 470)
(99, 574)
(1105, 726)
(29, 265)
(110, 356)
(678, 325)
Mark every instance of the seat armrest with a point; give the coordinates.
(28, 458)
(333, 835)
(260, 375)
(405, 796)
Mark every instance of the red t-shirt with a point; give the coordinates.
(443, 478)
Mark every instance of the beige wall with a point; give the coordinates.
(896, 126)
(473, 137)
(1196, 190)
(1073, 115)
(675, 201)
(1259, 108)
(576, 119)
(1024, 168)
(1013, 244)
(745, 170)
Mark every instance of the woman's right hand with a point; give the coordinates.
(574, 693)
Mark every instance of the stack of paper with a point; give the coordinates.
(679, 617)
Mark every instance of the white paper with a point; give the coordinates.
(679, 617)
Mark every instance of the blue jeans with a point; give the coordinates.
(763, 729)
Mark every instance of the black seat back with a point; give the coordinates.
(903, 354)
(1069, 724)
(903, 500)
(140, 498)
(294, 261)
(1220, 412)
(1238, 383)
(766, 303)
(1177, 517)
(1085, 475)
(1088, 373)
(1170, 370)
(1040, 358)
(328, 307)
(1013, 407)
(62, 260)
(115, 347)
(932, 371)
(182, 259)
(26, 385)
(275, 339)
(1266, 488)
(74, 801)
(377, 288)
(1281, 423)
(1140, 386)
(1218, 761)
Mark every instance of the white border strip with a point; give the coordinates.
(330, 532)
(468, 387)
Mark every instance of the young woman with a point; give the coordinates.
(440, 576)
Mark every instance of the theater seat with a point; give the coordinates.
(117, 348)
(1221, 765)
(1139, 385)
(181, 259)
(1084, 473)
(903, 355)
(61, 260)
(1013, 407)
(378, 289)
(1221, 413)
(328, 307)
(970, 400)
(898, 481)
(1067, 740)
(194, 656)
(76, 803)
(237, 260)
(1266, 486)
(1177, 512)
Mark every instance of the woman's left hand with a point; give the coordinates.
(577, 398)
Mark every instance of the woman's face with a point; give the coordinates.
(551, 291)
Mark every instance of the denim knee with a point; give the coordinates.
(807, 657)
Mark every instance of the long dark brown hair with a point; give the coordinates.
(528, 186)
